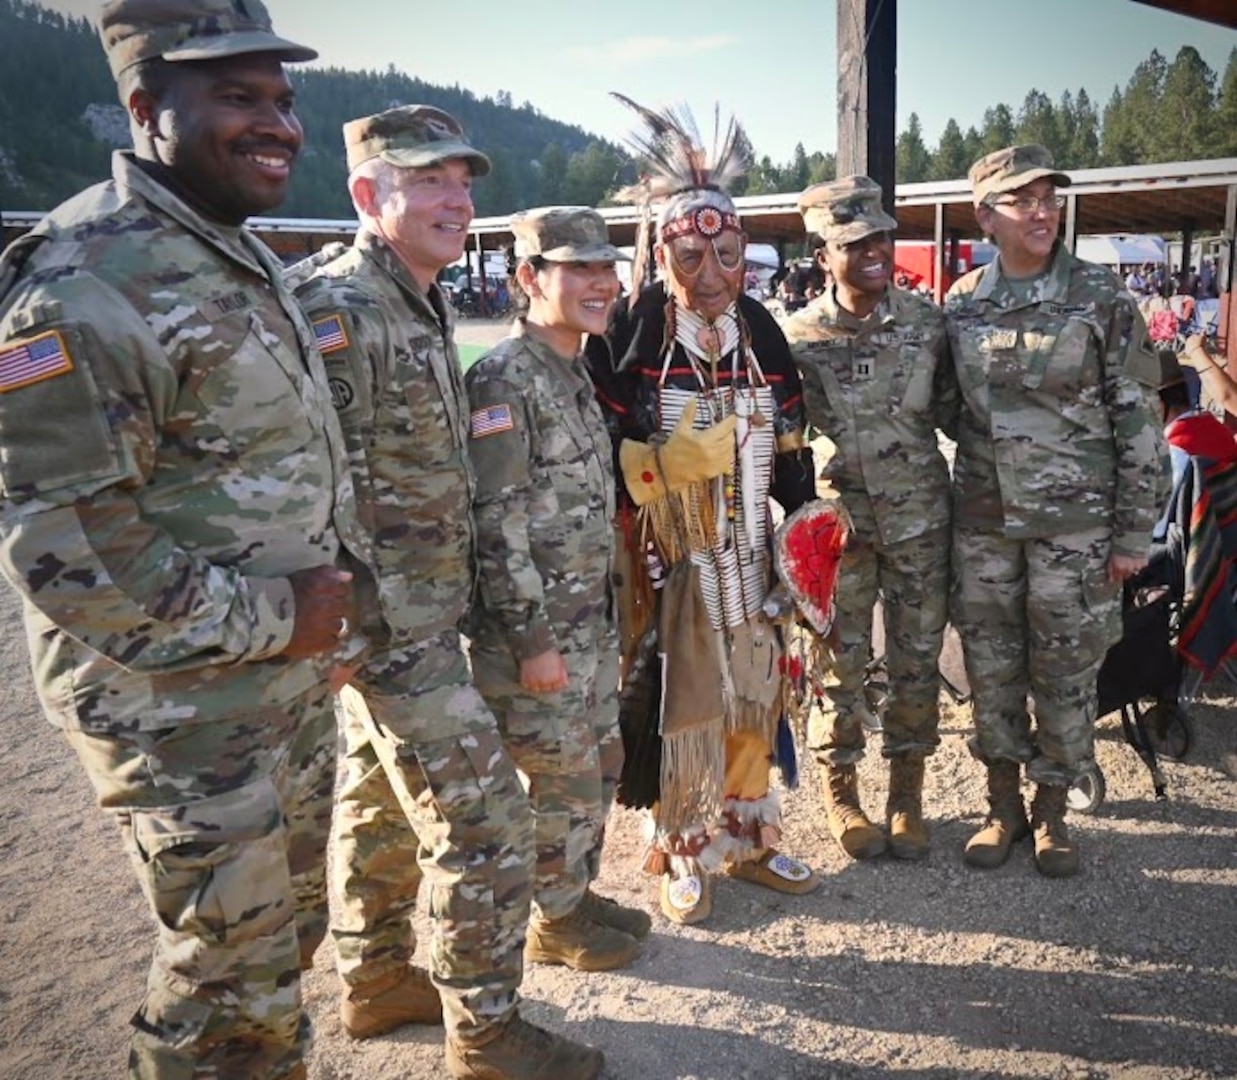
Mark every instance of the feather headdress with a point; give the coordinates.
(675, 154)
(683, 176)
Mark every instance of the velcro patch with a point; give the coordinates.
(491, 421)
(32, 360)
(330, 334)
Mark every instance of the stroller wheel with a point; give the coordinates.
(1088, 791)
(1170, 729)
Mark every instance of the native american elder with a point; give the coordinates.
(705, 409)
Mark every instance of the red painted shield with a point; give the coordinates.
(807, 551)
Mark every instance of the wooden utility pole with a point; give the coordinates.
(867, 78)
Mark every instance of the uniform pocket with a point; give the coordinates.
(255, 401)
(217, 868)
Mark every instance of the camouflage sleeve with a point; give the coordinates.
(78, 445)
(1131, 373)
(502, 446)
(946, 395)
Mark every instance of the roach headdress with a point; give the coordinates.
(691, 184)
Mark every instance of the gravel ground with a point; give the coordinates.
(890, 970)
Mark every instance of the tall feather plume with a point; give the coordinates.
(675, 156)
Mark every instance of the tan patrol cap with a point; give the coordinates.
(845, 210)
(411, 137)
(1010, 168)
(137, 30)
(564, 234)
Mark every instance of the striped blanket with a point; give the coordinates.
(1205, 506)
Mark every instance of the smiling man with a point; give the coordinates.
(430, 788)
(177, 511)
(877, 381)
(1057, 485)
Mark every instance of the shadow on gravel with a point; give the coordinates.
(985, 1005)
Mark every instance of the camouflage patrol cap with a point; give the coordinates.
(137, 30)
(563, 234)
(1011, 168)
(411, 137)
(845, 210)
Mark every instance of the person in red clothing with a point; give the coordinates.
(1190, 430)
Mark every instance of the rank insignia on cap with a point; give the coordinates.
(32, 360)
(491, 421)
(331, 334)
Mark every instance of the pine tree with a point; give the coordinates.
(1226, 110)
(1084, 147)
(1185, 130)
(952, 159)
(913, 161)
(998, 129)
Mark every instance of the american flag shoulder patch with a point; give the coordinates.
(31, 360)
(491, 420)
(330, 334)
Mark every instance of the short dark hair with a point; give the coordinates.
(153, 75)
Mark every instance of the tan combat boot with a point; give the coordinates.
(407, 997)
(601, 909)
(1055, 854)
(848, 824)
(579, 942)
(519, 1050)
(1006, 823)
(908, 835)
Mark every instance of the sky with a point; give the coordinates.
(772, 64)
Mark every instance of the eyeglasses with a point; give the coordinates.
(1029, 204)
(689, 255)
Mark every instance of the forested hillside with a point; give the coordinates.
(59, 120)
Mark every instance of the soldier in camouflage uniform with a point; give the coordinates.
(1057, 486)
(877, 380)
(545, 646)
(426, 764)
(177, 515)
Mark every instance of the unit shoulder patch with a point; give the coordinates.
(26, 361)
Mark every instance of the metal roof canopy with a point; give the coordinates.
(1170, 197)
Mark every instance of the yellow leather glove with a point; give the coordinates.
(687, 455)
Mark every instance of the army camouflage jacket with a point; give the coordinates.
(1057, 433)
(879, 388)
(167, 456)
(397, 386)
(545, 499)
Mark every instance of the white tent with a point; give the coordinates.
(1121, 249)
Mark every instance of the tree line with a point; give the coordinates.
(55, 86)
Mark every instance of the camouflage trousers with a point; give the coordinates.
(226, 823)
(912, 579)
(431, 792)
(1035, 617)
(568, 747)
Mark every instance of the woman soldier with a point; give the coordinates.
(1056, 489)
(545, 650)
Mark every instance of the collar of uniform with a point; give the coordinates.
(881, 315)
(383, 255)
(1055, 291)
(130, 178)
(570, 369)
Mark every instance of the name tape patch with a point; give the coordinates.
(31, 360)
(330, 334)
(491, 421)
